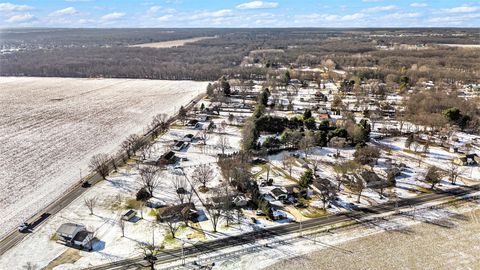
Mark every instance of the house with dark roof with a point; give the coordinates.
(76, 235)
(167, 159)
(129, 215)
(177, 212)
(188, 138)
(466, 159)
(278, 194)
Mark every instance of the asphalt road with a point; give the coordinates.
(14, 237)
(251, 237)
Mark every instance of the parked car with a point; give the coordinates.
(260, 213)
(23, 227)
(300, 205)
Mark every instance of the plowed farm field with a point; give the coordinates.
(51, 127)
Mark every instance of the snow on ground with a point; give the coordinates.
(436, 156)
(113, 195)
(50, 128)
(267, 252)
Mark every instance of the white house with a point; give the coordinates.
(75, 235)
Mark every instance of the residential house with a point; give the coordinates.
(188, 138)
(370, 178)
(180, 145)
(278, 194)
(167, 159)
(278, 215)
(467, 159)
(192, 122)
(76, 235)
(177, 212)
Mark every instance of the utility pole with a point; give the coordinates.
(301, 227)
(183, 253)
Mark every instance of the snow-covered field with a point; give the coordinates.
(50, 128)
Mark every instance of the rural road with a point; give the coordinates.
(14, 237)
(211, 246)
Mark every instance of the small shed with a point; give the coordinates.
(129, 215)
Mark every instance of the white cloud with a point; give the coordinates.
(63, 12)
(332, 17)
(214, 14)
(399, 15)
(355, 16)
(462, 9)
(21, 18)
(154, 9)
(380, 8)
(112, 16)
(165, 18)
(418, 5)
(257, 5)
(13, 7)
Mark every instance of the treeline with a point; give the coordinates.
(104, 53)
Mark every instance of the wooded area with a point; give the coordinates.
(105, 52)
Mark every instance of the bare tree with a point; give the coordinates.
(149, 178)
(223, 143)
(204, 136)
(328, 191)
(337, 143)
(307, 142)
(160, 122)
(227, 204)
(203, 174)
(454, 171)
(181, 188)
(90, 203)
(173, 225)
(215, 214)
(29, 266)
(315, 163)
(99, 164)
(121, 224)
(145, 151)
(223, 127)
(132, 144)
(356, 185)
(288, 162)
(149, 251)
(113, 162)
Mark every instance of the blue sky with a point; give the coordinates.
(238, 13)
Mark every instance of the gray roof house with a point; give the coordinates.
(76, 235)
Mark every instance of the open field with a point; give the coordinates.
(50, 128)
(423, 246)
(169, 43)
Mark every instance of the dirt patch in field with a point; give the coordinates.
(69, 256)
(170, 43)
